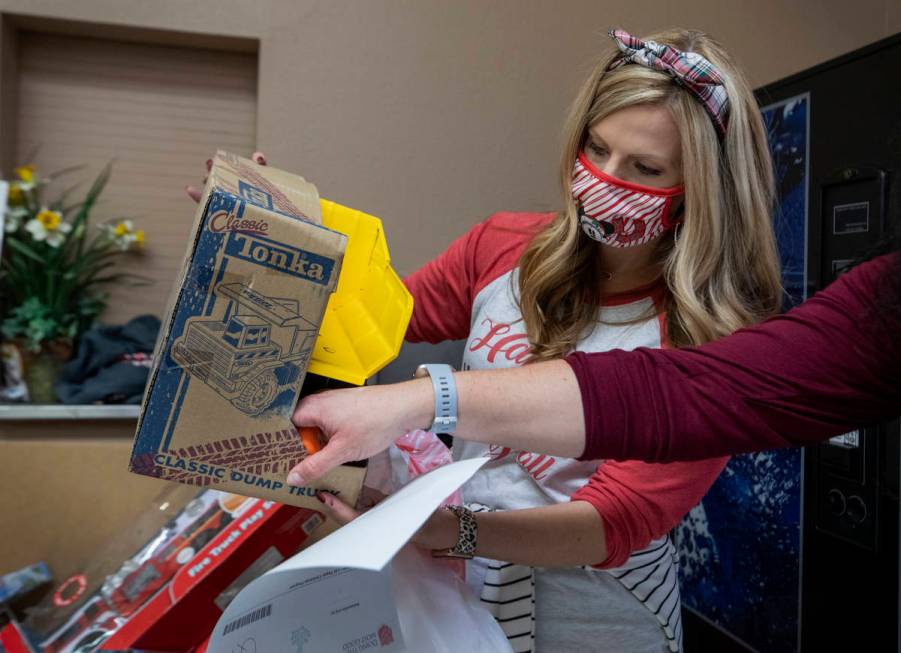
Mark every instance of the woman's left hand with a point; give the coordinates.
(439, 531)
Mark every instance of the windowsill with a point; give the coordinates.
(56, 412)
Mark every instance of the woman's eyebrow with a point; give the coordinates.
(651, 158)
(597, 140)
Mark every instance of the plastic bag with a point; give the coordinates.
(410, 456)
(438, 612)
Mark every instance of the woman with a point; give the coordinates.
(665, 239)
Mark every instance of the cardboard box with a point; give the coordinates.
(237, 338)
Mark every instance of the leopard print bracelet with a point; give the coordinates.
(466, 541)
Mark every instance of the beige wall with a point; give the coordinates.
(433, 114)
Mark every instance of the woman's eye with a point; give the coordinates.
(645, 170)
(597, 149)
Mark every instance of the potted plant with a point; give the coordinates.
(54, 270)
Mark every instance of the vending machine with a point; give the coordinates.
(850, 508)
(817, 531)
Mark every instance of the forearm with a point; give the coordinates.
(562, 535)
(535, 408)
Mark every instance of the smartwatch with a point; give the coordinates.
(442, 377)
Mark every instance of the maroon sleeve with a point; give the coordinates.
(443, 292)
(640, 502)
(444, 289)
(824, 368)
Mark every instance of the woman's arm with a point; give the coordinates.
(562, 535)
(641, 502)
(533, 536)
(534, 407)
(830, 365)
(621, 509)
(445, 288)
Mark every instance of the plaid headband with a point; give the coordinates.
(689, 70)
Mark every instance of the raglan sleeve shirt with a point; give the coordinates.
(824, 368)
(444, 289)
(638, 502)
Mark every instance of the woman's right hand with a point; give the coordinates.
(195, 192)
(360, 422)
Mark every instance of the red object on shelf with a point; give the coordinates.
(182, 614)
(12, 640)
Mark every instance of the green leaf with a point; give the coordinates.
(25, 250)
(90, 199)
(59, 204)
(65, 171)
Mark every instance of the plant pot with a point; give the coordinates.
(43, 367)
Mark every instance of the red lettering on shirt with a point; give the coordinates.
(497, 452)
(514, 347)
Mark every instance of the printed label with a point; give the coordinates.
(281, 257)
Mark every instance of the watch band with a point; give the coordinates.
(442, 377)
(467, 538)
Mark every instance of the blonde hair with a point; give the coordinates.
(722, 271)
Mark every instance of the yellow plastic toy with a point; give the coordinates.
(367, 316)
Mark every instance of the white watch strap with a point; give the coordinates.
(442, 377)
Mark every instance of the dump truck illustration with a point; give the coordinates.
(254, 353)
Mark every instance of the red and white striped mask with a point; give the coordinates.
(618, 213)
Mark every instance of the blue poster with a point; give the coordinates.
(739, 549)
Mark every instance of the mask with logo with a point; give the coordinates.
(619, 213)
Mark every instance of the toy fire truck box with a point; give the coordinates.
(183, 615)
(166, 594)
(237, 338)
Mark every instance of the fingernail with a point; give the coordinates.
(295, 479)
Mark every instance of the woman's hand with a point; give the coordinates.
(195, 193)
(360, 422)
(439, 532)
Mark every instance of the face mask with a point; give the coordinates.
(618, 213)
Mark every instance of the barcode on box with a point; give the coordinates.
(256, 615)
(310, 525)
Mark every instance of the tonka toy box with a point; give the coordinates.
(238, 335)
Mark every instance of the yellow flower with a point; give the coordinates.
(139, 237)
(26, 173)
(49, 219)
(121, 229)
(15, 197)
